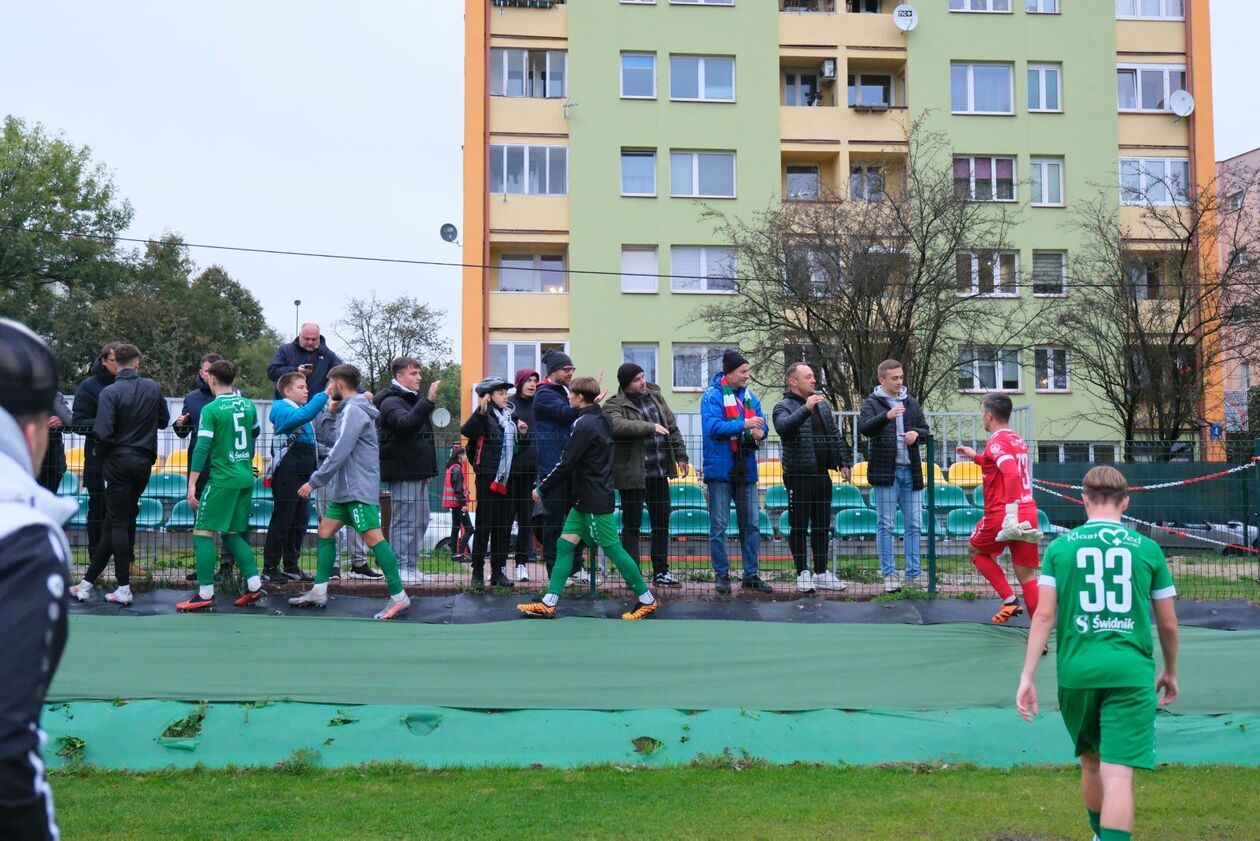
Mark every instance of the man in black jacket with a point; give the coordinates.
(895, 423)
(307, 354)
(813, 445)
(586, 465)
(131, 412)
(54, 466)
(86, 399)
(408, 461)
(524, 471)
(34, 565)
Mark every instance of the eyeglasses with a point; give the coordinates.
(568, 368)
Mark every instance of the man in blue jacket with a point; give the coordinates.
(734, 425)
(308, 354)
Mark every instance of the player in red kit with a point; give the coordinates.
(1010, 515)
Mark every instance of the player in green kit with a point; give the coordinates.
(1100, 581)
(225, 439)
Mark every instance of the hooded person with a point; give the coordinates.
(83, 422)
(493, 435)
(524, 471)
(553, 420)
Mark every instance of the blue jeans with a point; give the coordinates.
(746, 515)
(901, 494)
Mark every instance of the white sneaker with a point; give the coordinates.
(582, 577)
(393, 607)
(310, 599)
(570, 581)
(919, 583)
(805, 582)
(81, 591)
(415, 576)
(119, 596)
(828, 581)
(892, 584)
(522, 574)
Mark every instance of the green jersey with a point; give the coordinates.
(1106, 576)
(225, 438)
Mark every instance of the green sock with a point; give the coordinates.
(563, 568)
(388, 562)
(203, 552)
(627, 567)
(1108, 834)
(325, 557)
(1095, 820)
(242, 554)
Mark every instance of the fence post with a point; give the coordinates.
(931, 508)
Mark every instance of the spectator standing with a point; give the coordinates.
(524, 472)
(455, 500)
(86, 400)
(408, 460)
(292, 463)
(186, 424)
(553, 419)
(894, 423)
(492, 434)
(813, 445)
(131, 412)
(307, 354)
(649, 451)
(54, 465)
(734, 427)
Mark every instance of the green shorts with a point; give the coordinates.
(360, 515)
(594, 529)
(1117, 722)
(225, 510)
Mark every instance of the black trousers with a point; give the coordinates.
(290, 513)
(94, 482)
(460, 522)
(521, 501)
(809, 516)
(493, 527)
(656, 497)
(126, 475)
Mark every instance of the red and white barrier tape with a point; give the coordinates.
(1162, 485)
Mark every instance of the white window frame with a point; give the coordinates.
(1043, 69)
(1044, 360)
(1234, 201)
(984, 7)
(787, 181)
(999, 358)
(1165, 71)
(1063, 285)
(530, 150)
(971, 86)
(505, 54)
(1164, 6)
(995, 260)
(993, 177)
(653, 279)
(1044, 165)
(793, 81)
(540, 272)
(702, 2)
(1041, 7)
(638, 153)
(704, 275)
(695, 174)
(512, 345)
(652, 348)
(857, 86)
(1144, 185)
(621, 77)
(701, 70)
(638, 2)
(710, 362)
(866, 173)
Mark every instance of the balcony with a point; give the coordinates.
(515, 212)
(801, 26)
(523, 114)
(510, 311)
(508, 21)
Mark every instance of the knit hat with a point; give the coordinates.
(554, 360)
(522, 375)
(627, 372)
(732, 359)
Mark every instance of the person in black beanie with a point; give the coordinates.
(524, 472)
(83, 422)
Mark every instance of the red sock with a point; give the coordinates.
(990, 569)
(1030, 595)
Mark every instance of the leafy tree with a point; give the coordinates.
(376, 332)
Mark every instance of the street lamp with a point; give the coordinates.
(297, 305)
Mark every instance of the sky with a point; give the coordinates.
(321, 126)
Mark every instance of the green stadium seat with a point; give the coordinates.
(856, 522)
(785, 525)
(182, 517)
(69, 485)
(686, 496)
(312, 519)
(844, 497)
(152, 514)
(1043, 522)
(166, 486)
(616, 500)
(977, 497)
(689, 522)
(645, 524)
(80, 518)
(899, 524)
(763, 525)
(962, 521)
(948, 498)
(260, 514)
(776, 498)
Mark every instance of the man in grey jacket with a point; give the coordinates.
(352, 472)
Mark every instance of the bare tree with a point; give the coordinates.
(910, 269)
(377, 332)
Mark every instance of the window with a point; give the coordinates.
(1042, 7)
(638, 172)
(800, 88)
(980, 88)
(803, 182)
(1234, 202)
(870, 90)
(1148, 87)
(638, 268)
(1047, 181)
(866, 183)
(1166, 9)
(642, 355)
(988, 369)
(638, 76)
(702, 269)
(1154, 180)
(702, 174)
(1052, 369)
(707, 78)
(1079, 451)
(1239, 259)
(533, 73)
(984, 178)
(988, 273)
(532, 273)
(1154, 277)
(862, 7)
(529, 170)
(1049, 273)
(979, 5)
(506, 358)
(695, 365)
(1044, 84)
(702, 2)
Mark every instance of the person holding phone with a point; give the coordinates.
(309, 355)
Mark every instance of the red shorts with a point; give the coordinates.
(984, 539)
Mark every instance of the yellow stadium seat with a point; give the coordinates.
(769, 473)
(858, 475)
(965, 474)
(836, 478)
(940, 476)
(176, 462)
(74, 459)
(260, 464)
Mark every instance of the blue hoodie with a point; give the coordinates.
(718, 431)
(288, 418)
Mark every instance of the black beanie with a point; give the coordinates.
(732, 359)
(627, 372)
(554, 360)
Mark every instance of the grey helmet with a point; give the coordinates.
(490, 384)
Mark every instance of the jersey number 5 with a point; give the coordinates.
(1118, 599)
(241, 442)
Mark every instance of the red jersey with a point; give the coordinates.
(1007, 474)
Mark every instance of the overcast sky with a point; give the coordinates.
(321, 126)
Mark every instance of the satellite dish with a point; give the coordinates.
(1181, 103)
(449, 232)
(905, 17)
(441, 417)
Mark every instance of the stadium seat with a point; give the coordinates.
(182, 517)
(857, 476)
(312, 519)
(176, 462)
(769, 472)
(260, 514)
(856, 522)
(776, 498)
(785, 527)
(152, 514)
(962, 521)
(1043, 522)
(965, 474)
(686, 496)
(940, 475)
(80, 518)
(69, 485)
(74, 459)
(689, 522)
(166, 486)
(645, 524)
(899, 524)
(948, 498)
(616, 500)
(260, 464)
(261, 491)
(846, 496)
(690, 479)
(977, 497)
(763, 525)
